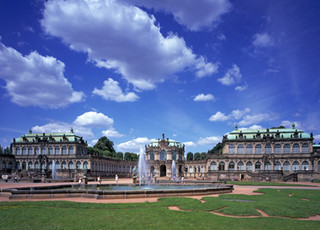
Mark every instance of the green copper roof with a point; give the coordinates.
(55, 137)
(171, 143)
(252, 133)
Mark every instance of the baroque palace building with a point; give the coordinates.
(36, 153)
(262, 154)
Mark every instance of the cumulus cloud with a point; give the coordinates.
(111, 133)
(189, 144)
(94, 120)
(63, 127)
(209, 140)
(262, 40)
(288, 124)
(235, 114)
(219, 117)
(112, 91)
(252, 127)
(203, 97)
(241, 87)
(36, 80)
(232, 76)
(253, 119)
(134, 145)
(121, 37)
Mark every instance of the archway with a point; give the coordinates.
(163, 170)
(151, 170)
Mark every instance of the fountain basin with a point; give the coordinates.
(97, 192)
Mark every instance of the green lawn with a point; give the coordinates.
(71, 215)
(262, 183)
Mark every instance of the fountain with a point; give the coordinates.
(173, 170)
(54, 170)
(142, 166)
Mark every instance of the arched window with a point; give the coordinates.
(119, 168)
(286, 166)
(64, 165)
(50, 150)
(57, 165)
(78, 165)
(70, 165)
(50, 165)
(43, 150)
(296, 148)
(18, 151)
(36, 150)
(43, 165)
(85, 165)
(64, 150)
(286, 148)
(128, 169)
(163, 155)
(152, 155)
(277, 165)
(231, 149)
(221, 166)
(24, 151)
(231, 165)
(213, 165)
(240, 166)
(305, 148)
(71, 150)
(305, 165)
(249, 149)
(37, 165)
(57, 150)
(18, 165)
(249, 166)
(267, 165)
(24, 165)
(30, 165)
(10, 165)
(190, 169)
(295, 166)
(199, 169)
(277, 148)
(240, 149)
(258, 149)
(4, 165)
(174, 155)
(257, 166)
(30, 152)
(268, 148)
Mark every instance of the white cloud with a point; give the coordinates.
(205, 68)
(209, 140)
(123, 38)
(196, 15)
(203, 97)
(316, 138)
(252, 127)
(189, 144)
(219, 117)
(235, 114)
(253, 119)
(35, 80)
(112, 91)
(94, 120)
(241, 88)
(232, 76)
(93, 142)
(134, 145)
(262, 40)
(63, 127)
(111, 133)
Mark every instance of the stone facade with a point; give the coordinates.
(161, 154)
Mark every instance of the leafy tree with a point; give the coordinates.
(190, 156)
(1, 150)
(279, 127)
(104, 144)
(197, 156)
(216, 149)
(203, 155)
(131, 156)
(120, 155)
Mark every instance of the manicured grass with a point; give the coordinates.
(257, 183)
(71, 215)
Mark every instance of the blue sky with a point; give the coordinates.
(134, 69)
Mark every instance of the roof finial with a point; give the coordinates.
(30, 131)
(293, 125)
(236, 127)
(163, 136)
(71, 130)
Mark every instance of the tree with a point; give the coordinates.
(216, 149)
(120, 155)
(190, 156)
(104, 144)
(131, 156)
(1, 150)
(197, 156)
(203, 155)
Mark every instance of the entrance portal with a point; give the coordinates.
(163, 170)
